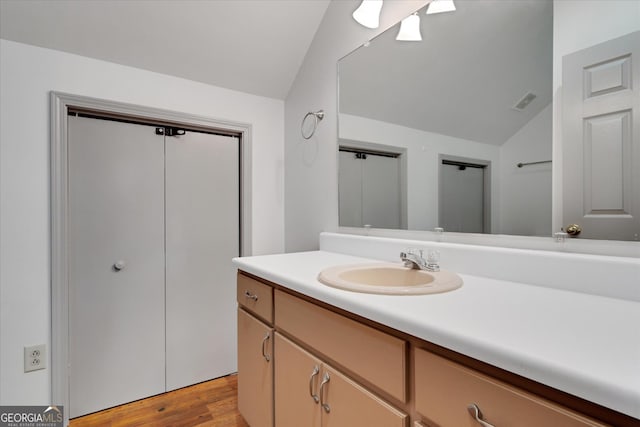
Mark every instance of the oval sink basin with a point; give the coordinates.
(389, 279)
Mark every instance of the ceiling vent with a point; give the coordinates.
(524, 101)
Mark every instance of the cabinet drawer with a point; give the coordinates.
(255, 297)
(444, 389)
(371, 354)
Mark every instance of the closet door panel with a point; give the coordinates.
(350, 189)
(381, 191)
(202, 236)
(116, 214)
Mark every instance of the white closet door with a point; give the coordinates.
(462, 199)
(350, 189)
(116, 214)
(381, 191)
(202, 232)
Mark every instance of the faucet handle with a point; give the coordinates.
(433, 256)
(412, 251)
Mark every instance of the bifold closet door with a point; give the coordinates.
(462, 198)
(116, 263)
(202, 236)
(349, 189)
(381, 191)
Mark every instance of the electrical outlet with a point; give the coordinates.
(35, 357)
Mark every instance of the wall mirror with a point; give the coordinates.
(462, 129)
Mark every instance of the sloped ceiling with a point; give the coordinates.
(253, 46)
(465, 75)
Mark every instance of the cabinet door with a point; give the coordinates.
(297, 376)
(346, 404)
(255, 370)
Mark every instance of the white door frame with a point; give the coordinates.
(60, 104)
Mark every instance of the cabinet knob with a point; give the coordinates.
(119, 265)
(477, 415)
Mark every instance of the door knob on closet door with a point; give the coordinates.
(119, 265)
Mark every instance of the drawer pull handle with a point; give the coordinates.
(249, 295)
(477, 415)
(324, 405)
(316, 371)
(264, 352)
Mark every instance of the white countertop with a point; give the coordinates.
(585, 345)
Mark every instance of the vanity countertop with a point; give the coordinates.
(585, 345)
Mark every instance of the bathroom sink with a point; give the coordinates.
(389, 279)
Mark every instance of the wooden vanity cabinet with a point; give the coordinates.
(311, 393)
(376, 376)
(255, 352)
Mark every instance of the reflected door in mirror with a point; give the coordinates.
(462, 198)
(369, 190)
(601, 147)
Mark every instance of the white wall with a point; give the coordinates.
(27, 75)
(578, 24)
(525, 193)
(423, 150)
(311, 171)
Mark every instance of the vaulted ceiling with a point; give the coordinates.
(463, 79)
(254, 46)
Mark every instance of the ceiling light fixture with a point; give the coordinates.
(410, 29)
(439, 6)
(368, 13)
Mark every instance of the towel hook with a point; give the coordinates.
(317, 117)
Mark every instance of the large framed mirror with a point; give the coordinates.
(465, 129)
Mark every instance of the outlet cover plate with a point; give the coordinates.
(35, 357)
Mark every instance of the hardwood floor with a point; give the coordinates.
(210, 404)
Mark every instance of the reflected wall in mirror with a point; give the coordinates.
(468, 115)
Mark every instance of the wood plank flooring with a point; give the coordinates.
(210, 404)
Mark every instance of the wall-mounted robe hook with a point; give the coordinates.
(309, 124)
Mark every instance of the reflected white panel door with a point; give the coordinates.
(202, 226)
(462, 198)
(381, 191)
(601, 139)
(350, 189)
(116, 215)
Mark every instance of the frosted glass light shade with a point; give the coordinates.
(410, 29)
(439, 6)
(368, 13)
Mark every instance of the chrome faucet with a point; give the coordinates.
(416, 260)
